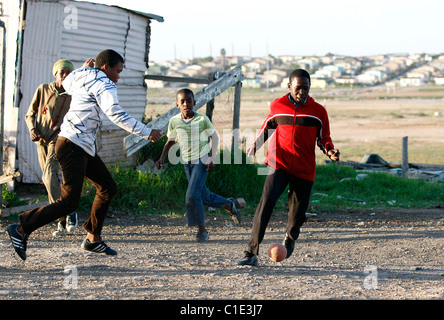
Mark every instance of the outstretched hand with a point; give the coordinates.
(251, 151)
(155, 135)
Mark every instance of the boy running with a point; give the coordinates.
(193, 130)
(300, 124)
(94, 95)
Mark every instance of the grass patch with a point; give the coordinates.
(336, 188)
(10, 198)
(142, 192)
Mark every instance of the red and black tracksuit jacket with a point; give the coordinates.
(298, 129)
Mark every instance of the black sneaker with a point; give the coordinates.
(18, 241)
(250, 259)
(235, 215)
(202, 236)
(98, 247)
(289, 245)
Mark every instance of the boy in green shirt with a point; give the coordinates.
(192, 131)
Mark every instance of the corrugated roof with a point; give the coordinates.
(145, 14)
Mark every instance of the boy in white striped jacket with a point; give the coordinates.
(94, 95)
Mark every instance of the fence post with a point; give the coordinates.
(405, 157)
(2, 105)
(210, 104)
(236, 116)
(237, 102)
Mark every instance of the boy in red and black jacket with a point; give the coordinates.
(295, 125)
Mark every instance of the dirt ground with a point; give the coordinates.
(357, 255)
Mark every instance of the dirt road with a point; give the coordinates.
(355, 255)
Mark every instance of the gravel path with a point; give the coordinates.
(393, 255)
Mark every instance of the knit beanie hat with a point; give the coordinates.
(61, 64)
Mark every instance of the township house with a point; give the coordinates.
(38, 33)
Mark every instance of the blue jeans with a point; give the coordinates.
(199, 195)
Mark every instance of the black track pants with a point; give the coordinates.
(298, 201)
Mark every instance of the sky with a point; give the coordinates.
(201, 28)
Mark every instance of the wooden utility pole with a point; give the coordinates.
(405, 157)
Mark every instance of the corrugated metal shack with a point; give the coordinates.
(38, 33)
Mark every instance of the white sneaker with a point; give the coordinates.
(60, 229)
(71, 221)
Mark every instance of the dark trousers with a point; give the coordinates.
(298, 201)
(76, 165)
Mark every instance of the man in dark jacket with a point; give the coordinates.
(295, 125)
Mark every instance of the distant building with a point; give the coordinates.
(288, 59)
(439, 80)
(193, 70)
(251, 83)
(367, 79)
(308, 64)
(411, 82)
(253, 66)
(346, 80)
(349, 65)
(320, 81)
(379, 74)
(273, 77)
(330, 71)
